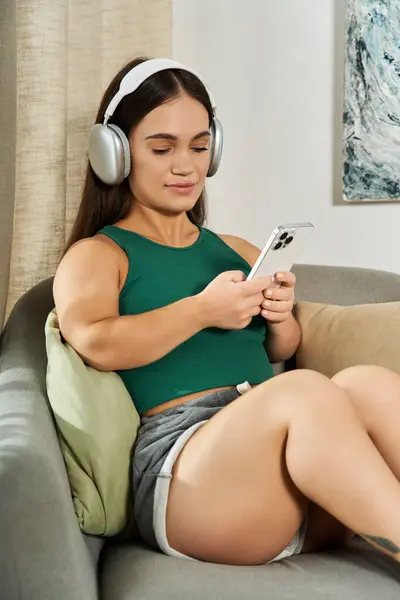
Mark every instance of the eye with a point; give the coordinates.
(161, 151)
(200, 149)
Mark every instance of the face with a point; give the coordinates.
(170, 155)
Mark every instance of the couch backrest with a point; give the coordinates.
(345, 286)
(24, 333)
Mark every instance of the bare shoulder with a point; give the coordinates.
(88, 251)
(90, 272)
(91, 253)
(248, 251)
(86, 286)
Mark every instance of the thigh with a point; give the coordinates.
(231, 499)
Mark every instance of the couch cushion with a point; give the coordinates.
(97, 425)
(357, 573)
(336, 337)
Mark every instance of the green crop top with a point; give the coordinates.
(160, 275)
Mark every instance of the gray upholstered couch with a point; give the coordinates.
(44, 556)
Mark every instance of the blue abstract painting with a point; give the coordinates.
(372, 101)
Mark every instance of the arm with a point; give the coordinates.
(86, 292)
(109, 345)
(284, 337)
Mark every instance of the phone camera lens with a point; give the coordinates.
(289, 240)
(283, 236)
(277, 246)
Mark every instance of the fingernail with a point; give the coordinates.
(269, 293)
(280, 275)
(266, 304)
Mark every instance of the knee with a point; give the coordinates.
(306, 393)
(368, 387)
(304, 379)
(368, 383)
(365, 374)
(309, 386)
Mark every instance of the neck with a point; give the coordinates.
(170, 230)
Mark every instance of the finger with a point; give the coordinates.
(255, 310)
(235, 276)
(256, 299)
(272, 317)
(257, 285)
(254, 302)
(278, 293)
(280, 306)
(285, 278)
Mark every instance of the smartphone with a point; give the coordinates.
(282, 249)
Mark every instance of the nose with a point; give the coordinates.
(182, 163)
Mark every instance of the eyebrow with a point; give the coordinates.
(169, 136)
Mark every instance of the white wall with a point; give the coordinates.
(276, 70)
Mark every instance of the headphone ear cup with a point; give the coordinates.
(216, 146)
(125, 149)
(109, 153)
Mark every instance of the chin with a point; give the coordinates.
(184, 201)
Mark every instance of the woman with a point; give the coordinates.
(232, 464)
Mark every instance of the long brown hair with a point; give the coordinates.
(103, 204)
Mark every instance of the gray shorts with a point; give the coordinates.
(159, 442)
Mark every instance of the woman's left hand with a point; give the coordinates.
(278, 304)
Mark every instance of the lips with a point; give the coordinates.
(181, 184)
(183, 188)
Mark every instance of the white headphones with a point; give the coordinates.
(109, 152)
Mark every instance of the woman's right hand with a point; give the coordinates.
(230, 302)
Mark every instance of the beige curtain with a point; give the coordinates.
(56, 58)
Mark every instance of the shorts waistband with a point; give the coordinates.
(219, 397)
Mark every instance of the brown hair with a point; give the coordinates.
(102, 204)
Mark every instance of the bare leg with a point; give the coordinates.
(232, 497)
(336, 495)
(375, 395)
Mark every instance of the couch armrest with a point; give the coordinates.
(345, 286)
(43, 554)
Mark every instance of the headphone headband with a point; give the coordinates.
(109, 151)
(137, 75)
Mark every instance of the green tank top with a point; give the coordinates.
(160, 275)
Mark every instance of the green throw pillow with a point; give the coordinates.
(97, 425)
